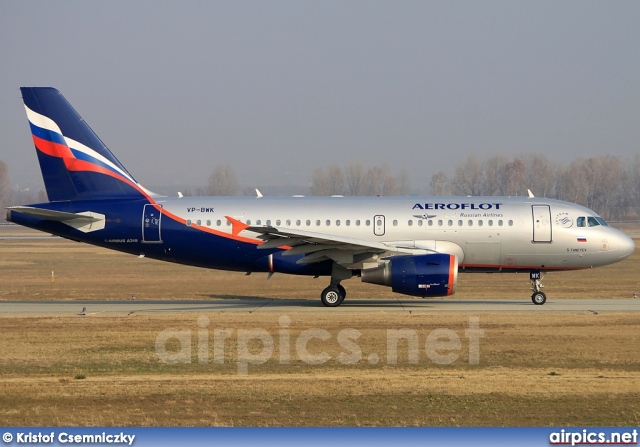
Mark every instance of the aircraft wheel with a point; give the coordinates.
(539, 298)
(331, 296)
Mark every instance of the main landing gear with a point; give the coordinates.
(538, 297)
(335, 294)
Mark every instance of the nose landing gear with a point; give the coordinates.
(538, 297)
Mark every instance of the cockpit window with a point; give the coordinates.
(602, 222)
(590, 221)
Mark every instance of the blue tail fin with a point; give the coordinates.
(75, 163)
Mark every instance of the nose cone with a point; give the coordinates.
(627, 247)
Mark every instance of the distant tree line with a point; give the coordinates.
(353, 180)
(356, 180)
(603, 183)
(11, 197)
(222, 182)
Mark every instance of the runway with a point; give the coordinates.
(252, 305)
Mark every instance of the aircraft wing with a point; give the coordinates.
(317, 247)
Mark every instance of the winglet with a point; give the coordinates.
(530, 193)
(236, 225)
(258, 193)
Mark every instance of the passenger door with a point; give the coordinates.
(541, 223)
(151, 223)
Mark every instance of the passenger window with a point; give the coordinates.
(268, 222)
(188, 223)
(450, 222)
(510, 223)
(420, 223)
(328, 223)
(198, 222)
(248, 222)
(439, 223)
(347, 222)
(470, 223)
(430, 223)
(218, 223)
(367, 222)
(317, 223)
(592, 222)
(460, 223)
(308, 223)
(410, 223)
(258, 222)
(278, 222)
(208, 223)
(338, 223)
(358, 223)
(490, 222)
(480, 223)
(500, 223)
(395, 223)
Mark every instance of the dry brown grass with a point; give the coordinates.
(535, 369)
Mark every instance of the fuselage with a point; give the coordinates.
(485, 233)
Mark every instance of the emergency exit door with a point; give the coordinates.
(378, 225)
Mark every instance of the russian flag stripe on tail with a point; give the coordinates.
(75, 163)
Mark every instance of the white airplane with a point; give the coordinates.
(415, 245)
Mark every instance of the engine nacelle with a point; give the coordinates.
(422, 275)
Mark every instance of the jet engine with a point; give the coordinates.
(417, 275)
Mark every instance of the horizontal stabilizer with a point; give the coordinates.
(85, 221)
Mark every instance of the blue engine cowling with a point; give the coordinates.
(422, 275)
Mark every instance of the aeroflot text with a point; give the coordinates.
(457, 206)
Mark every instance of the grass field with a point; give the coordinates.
(533, 369)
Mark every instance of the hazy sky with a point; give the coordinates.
(278, 88)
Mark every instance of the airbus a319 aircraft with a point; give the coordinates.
(415, 245)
